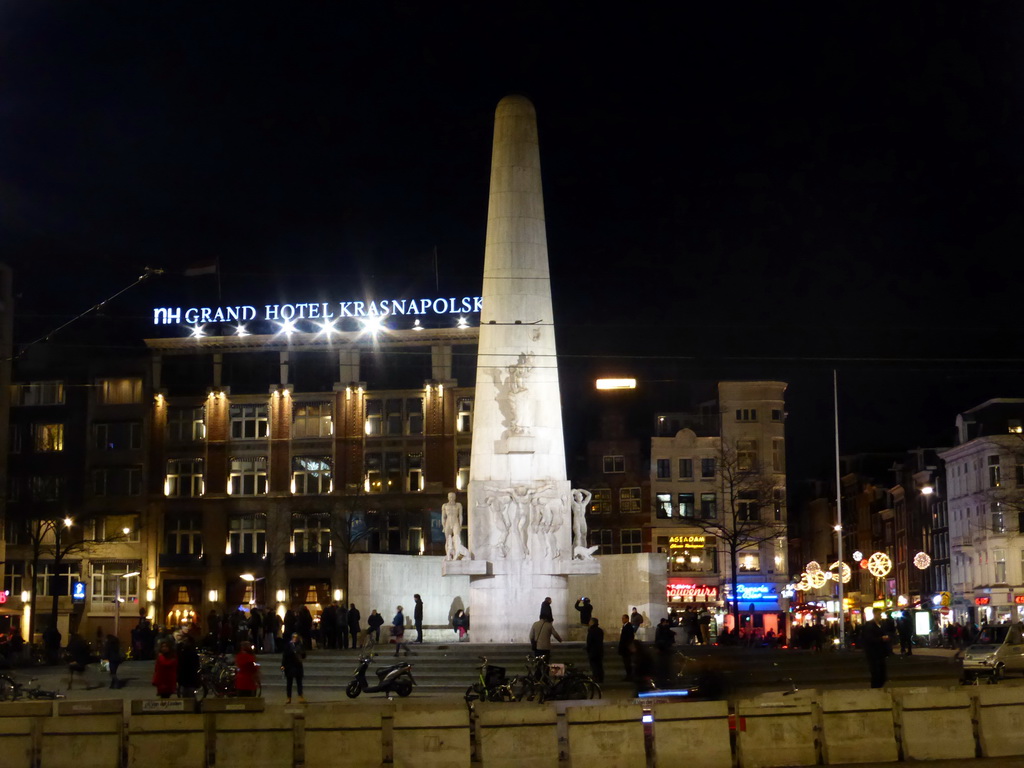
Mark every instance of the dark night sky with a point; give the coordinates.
(748, 189)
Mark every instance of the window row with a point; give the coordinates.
(746, 460)
(247, 535)
(630, 501)
(630, 540)
(107, 582)
(750, 414)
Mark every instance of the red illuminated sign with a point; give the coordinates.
(1018, 599)
(678, 590)
(982, 600)
(3, 597)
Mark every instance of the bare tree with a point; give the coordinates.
(746, 517)
(348, 528)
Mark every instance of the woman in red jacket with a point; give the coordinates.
(247, 679)
(165, 674)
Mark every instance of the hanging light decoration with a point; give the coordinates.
(857, 555)
(879, 564)
(845, 571)
(813, 567)
(921, 560)
(817, 579)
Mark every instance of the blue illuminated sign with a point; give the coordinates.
(756, 593)
(78, 592)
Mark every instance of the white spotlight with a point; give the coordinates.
(197, 331)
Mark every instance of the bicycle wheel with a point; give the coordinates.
(8, 689)
(593, 689)
(523, 689)
(473, 692)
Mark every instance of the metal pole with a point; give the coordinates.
(117, 607)
(839, 511)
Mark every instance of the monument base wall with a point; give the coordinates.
(386, 581)
(625, 581)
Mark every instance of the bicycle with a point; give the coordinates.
(492, 685)
(12, 690)
(543, 683)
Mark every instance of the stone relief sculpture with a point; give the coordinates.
(498, 504)
(580, 499)
(451, 521)
(517, 393)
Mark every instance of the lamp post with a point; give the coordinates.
(839, 511)
(117, 600)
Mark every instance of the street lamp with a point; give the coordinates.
(117, 600)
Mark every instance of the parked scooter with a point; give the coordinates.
(396, 678)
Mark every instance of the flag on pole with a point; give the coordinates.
(199, 268)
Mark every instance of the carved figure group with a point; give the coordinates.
(516, 393)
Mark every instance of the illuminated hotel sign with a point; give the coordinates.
(317, 310)
(689, 542)
(682, 590)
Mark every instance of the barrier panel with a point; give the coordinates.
(611, 736)
(251, 739)
(776, 730)
(510, 736)
(699, 729)
(934, 724)
(85, 734)
(165, 740)
(333, 731)
(857, 727)
(430, 735)
(999, 713)
(20, 731)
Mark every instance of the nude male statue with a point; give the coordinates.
(451, 520)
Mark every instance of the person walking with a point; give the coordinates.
(905, 629)
(626, 635)
(876, 649)
(247, 679)
(586, 609)
(373, 624)
(112, 654)
(398, 632)
(460, 623)
(188, 668)
(291, 663)
(664, 637)
(595, 650)
(545, 610)
(165, 672)
(540, 638)
(353, 624)
(417, 618)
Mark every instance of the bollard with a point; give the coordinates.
(611, 736)
(20, 731)
(428, 735)
(934, 724)
(513, 736)
(999, 713)
(697, 728)
(857, 727)
(355, 732)
(774, 730)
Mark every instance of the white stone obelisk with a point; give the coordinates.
(520, 507)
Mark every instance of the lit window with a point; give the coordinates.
(186, 425)
(184, 478)
(746, 455)
(311, 475)
(462, 471)
(464, 414)
(48, 438)
(601, 501)
(247, 535)
(311, 534)
(248, 477)
(749, 562)
(685, 501)
(629, 500)
(111, 581)
(632, 540)
(249, 422)
(38, 393)
(374, 417)
(993, 472)
(312, 420)
(414, 472)
(120, 391)
(708, 506)
(663, 505)
(614, 464)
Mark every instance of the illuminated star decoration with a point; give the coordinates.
(372, 324)
(197, 331)
(327, 327)
(240, 330)
(921, 560)
(463, 323)
(287, 327)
